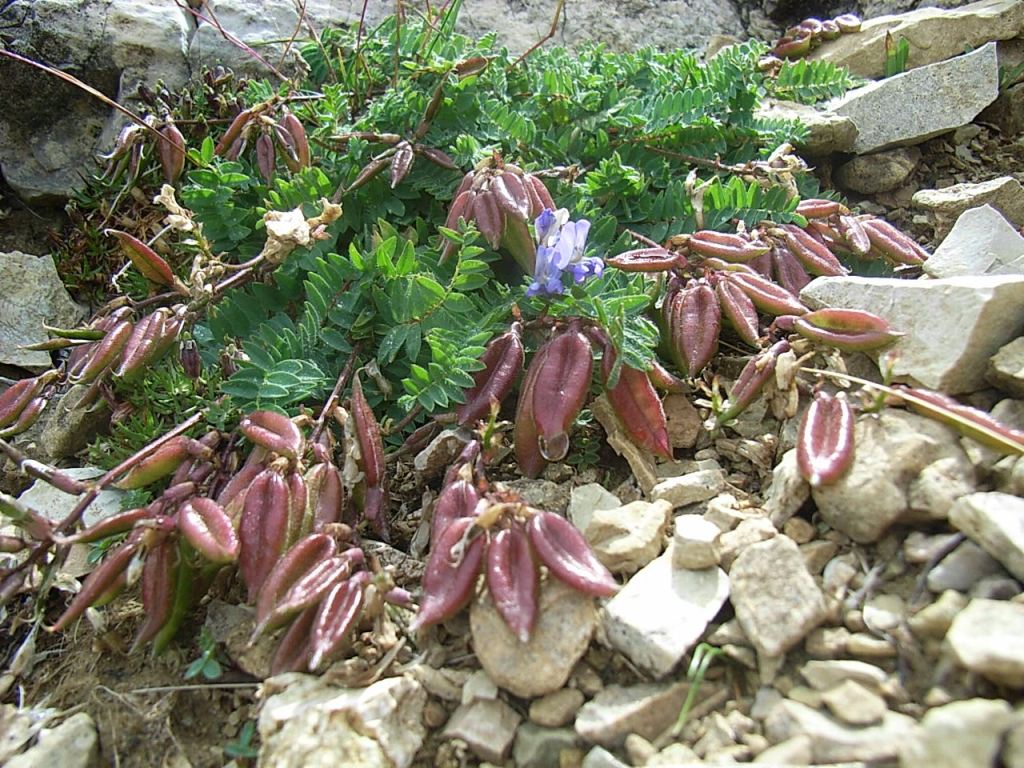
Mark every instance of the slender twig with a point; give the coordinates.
(332, 400)
(241, 45)
(300, 9)
(196, 687)
(402, 423)
(559, 9)
(44, 472)
(993, 439)
(87, 88)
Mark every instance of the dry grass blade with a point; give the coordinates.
(87, 88)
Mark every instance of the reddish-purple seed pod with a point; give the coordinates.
(824, 445)
(562, 548)
(450, 575)
(513, 580)
(502, 360)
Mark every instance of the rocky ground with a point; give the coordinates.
(876, 621)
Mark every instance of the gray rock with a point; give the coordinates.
(1007, 111)
(265, 26)
(921, 547)
(799, 530)
(1005, 194)
(726, 512)
(817, 554)
(72, 744)
(587, 499)
(50, 130)
(989, 461)
(641, 462)
(557, 708)
(776, 600)
(854, 704)
(934, 34)
(486, 725)
(306, 721)
(914, 106)
(618, 711)
(1013, 747)
(542, 494)
(478, 686)
(232, 625)
(66, 427)
(932, 493)
(682, 419)
(962, 568)
(985, 638)
(537, 747)
(827, 132)
(33, 295)
(795, 751)
(834, 742)
(674, 755)
(565, 623)
(694, 543)
(599, 757)
(868, 646)
(995, 521)
(662, 612)
(981, 242)
(1006, 367)
(56, 505)
(627, 538)
(878, 172)
(441, 452)
(748, 532)
(690, 488)
(622, 27)
(952, 326)
(996, 588)
(823, 675)
(788, 491)
(974, 728)
(934, 620)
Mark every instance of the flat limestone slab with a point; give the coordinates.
(917, 105)
(952, 326)
(934, 34)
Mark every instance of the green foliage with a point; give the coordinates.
(207, 664)
(656, 143)
(896, 53)
(808, 82)
(243, 746)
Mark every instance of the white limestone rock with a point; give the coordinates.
(981, 242)
(662, 613)
(952, 326)
(914, 106)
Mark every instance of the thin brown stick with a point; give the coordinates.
(332, 399)
(87, 88)
(240, 44)
(559, 10)
(300, 9)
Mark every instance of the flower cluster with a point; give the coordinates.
(560, 246)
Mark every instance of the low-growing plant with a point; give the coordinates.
(398, 244)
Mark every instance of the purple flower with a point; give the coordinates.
(560, 247)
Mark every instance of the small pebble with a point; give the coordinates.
(869, 646)
(799, 530)
(854, 704)
(557, 708)
(827, 643)
(434, 714)
(854, 620)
